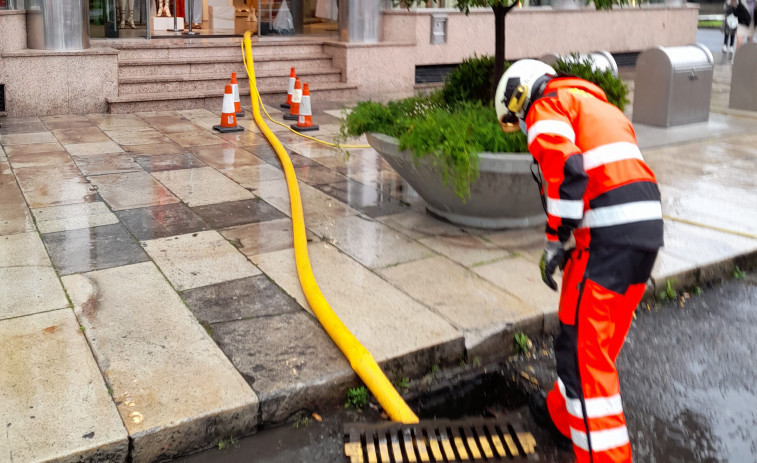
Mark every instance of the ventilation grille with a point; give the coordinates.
(433, 73)
(438, 441)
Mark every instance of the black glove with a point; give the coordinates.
(552, 258)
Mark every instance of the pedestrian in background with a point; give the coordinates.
(745, 19)
(730, 25)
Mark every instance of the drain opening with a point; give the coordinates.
(477, 439)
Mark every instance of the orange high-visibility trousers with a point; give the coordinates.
(601, 288)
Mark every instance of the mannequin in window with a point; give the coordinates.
(163, 8)
(127, 15)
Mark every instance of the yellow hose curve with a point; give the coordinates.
(289, 127)
(360, 359)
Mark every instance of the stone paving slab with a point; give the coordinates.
(471, 304)
(53, 400)
(28, 283)
(198, 259)
(371, 308)
(289, 361)
(86, 249)
(132, 190)
(73, 217)
(54, 186)
(201, 186)
(174, 389)
(371, 243)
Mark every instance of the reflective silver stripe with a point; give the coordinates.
(595, 408)
(622, 213)
(566, 208)
(554, 127)
(601, 440)
(611, 152)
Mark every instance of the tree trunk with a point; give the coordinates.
(499, 44)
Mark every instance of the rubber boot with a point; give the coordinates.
(537, 405)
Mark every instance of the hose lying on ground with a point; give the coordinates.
(360, 359)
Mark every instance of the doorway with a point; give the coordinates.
(298, 17)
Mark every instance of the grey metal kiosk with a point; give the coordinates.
(744, 78)
(673, 86)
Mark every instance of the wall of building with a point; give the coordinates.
(389, 66)
(41, 82)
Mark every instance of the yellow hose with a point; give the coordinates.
(360, 359)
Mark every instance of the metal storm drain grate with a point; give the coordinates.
(438, 441)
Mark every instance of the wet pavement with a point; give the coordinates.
(172, 243)
(687, 377)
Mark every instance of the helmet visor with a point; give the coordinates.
(509, 123)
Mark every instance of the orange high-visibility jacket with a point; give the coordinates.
(598, 186)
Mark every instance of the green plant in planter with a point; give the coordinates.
(614, 88)
(456, 123)
(452, 134)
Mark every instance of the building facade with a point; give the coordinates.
(356, 45)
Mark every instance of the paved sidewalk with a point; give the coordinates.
(172, 244)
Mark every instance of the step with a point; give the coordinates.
(212, 100)
(177, 66)
(169, 49)
(201, 82)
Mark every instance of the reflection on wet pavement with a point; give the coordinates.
(85, 249)
(147, 223)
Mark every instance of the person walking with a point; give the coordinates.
(745, 19)
(730, 25)
(596, 188)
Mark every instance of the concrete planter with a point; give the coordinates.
(504, 196)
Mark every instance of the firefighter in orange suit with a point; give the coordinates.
(596, 187)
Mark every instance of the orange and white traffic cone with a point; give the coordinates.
(228, 116)
(290, 89)
(235, 91)
(294, 109)
(305, 121)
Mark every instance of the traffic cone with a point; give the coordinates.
(294, 109)
(290, 89)
(305, 121)
(228, 116)
(235, 91)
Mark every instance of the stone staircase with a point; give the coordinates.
(177, 74)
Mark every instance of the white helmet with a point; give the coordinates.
(517, 88)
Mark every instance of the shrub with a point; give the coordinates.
(614, 88)
(470, 81)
